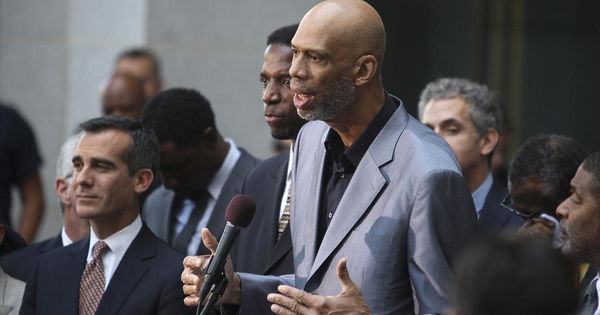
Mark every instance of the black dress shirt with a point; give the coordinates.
(340, 164)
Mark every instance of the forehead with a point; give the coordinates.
(136, 66)
(582, 180)
(444, 109)
(110, 144)
(277, 58)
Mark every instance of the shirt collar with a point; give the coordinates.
(120, 241)
(352, 156)
(220, 178)
(480, 194)
(65, 238)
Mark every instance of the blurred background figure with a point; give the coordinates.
(11, 289)
(124, 95)
(21, 263)
(466, 114)
(144, 65)
(538, 181)
(513, 275)
(19, 167)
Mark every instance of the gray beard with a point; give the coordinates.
(327, 105)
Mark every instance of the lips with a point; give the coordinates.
(303, 101)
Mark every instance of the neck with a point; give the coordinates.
(105, 227)
(476, 176)
(221, 151)
(353, 121)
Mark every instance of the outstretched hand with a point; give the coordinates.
(195, 269)
(292, 301)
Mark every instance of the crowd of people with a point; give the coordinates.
(369, 211)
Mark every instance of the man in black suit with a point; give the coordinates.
(21, 263)
(201, 170)
(265, 246)
(122, 267)
(468, 117)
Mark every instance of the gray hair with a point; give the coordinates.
(64, 164)
(483, 107)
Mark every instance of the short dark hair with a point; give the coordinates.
(553, 159)
(143, 151)
(592, 165)
(143, 52)
(179, 115)
(282, 35)
(515, 275)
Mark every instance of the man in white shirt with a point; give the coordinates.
(122, 268)
(466, 114)
(201, 170)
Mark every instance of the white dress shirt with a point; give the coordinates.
(65, 238)
(597, 312)
(214, 190)
(118, 244)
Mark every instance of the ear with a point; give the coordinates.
(209, 136)
(61, 186)
(365, 69)
(143, 179)
(488, 142)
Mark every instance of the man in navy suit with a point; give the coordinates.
(121, 268)
(265, 246)
(466, 114)
(21, 263)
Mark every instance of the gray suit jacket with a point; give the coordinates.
(157, 210)
(404, 217)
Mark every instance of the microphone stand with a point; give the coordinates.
(216, 292)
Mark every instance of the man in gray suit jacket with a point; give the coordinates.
(201, 170)
(369, 183)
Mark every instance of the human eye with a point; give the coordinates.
(264, 82)
(77, 165)
(286, 82)
(451, 130)
(295, 52)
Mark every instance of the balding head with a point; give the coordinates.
(124, 96)
(353, 25)
(336, 70)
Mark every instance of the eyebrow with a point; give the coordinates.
(450, 121)
(96, 161)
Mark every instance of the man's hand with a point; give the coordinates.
(538, 227)
(292, 301)
(195, 268)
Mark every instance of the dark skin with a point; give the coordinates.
(124, 96)
(528, 197)
(340, 37)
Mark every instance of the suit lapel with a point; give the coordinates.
(129, 272)
(366, 185)
(232, 187)
(69, 295)
(277, 178)
(492, 216)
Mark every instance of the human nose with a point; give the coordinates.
(83, 177)
(297, 69)
(562, 210)
(271, 93)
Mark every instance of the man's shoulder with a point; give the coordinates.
(269, 165)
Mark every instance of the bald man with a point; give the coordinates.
(377, 196)
(124, 96)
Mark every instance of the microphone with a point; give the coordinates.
(239, 214)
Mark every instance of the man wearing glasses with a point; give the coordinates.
(538, 181)
(468, 117)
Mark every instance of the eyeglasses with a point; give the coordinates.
(508, 205)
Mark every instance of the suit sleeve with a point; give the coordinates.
(442, 223)
(255, 289)
(29, 297)
(171, 301)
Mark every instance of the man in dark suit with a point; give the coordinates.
(21, 263)
(466, 114)
(201, 170)
(265, 246)
(122, 267)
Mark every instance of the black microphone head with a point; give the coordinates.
(240, 210)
